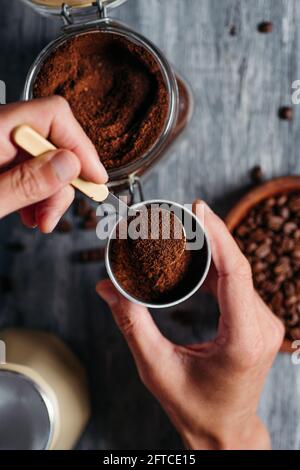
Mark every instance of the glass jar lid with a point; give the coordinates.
(55, 6)
(76, 3)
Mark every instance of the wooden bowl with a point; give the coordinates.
(272, 188)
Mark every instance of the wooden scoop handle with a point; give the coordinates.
(36, 145)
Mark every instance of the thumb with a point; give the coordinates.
(37, 179)
(148, 346)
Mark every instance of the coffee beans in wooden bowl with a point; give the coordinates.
(268, 233)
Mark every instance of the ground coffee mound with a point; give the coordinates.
(270, 238)
(148, 268)
(115, 89)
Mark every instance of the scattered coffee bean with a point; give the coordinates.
(6, 284)
(286, 113)
(90, 222)
(82, 207)
(16, 247)
(257, 175)
(273, 228)
(265, 27)
(63, 226)
(232, 30)
(90, 256)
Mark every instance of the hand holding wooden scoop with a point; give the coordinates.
(36, 145)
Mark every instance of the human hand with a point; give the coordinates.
(210, 391)
(40, 188)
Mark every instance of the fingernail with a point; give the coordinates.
(65, 166)
(201, 203)
(52, 223)
(104, 173)
(108, 294)
(207, 207)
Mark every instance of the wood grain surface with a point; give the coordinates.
(239, 82)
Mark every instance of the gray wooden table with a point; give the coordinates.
(239, 82)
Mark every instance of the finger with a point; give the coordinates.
(53, 119)
(211, 282)
(146, 343)
(49, 212)
(235, 289)
(28, 216)
(36, 180)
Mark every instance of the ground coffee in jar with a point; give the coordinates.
(155, 263)
(270, 238)
(115, 89)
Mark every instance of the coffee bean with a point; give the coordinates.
(286, 113)
(292, 320)
(296, 234)
(282, 200)
(270, 239)
(265, 27)
(251, 248)
(275, 222)
(260, 278)
(281, 278)
(277, 301)
(63, 226)
(6, 284)
(242, 231)
(289, 227)
(294, 204)
(296, 252)
(258, 235)
(287, 245)
(290, 301)
(270, 202)
(282, 267)
(269, 287)
(82, 207)
(256, 175)
(232, 30)
(263, 251)
(289, 289)
(89, 224)
(295, 333)
(258, 267)
(271, 258)
(284, 212)
(90, 256)
(16, 247)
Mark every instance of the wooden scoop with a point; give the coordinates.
(36, 145)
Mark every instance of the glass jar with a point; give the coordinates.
(80, 17)
(44, 399)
